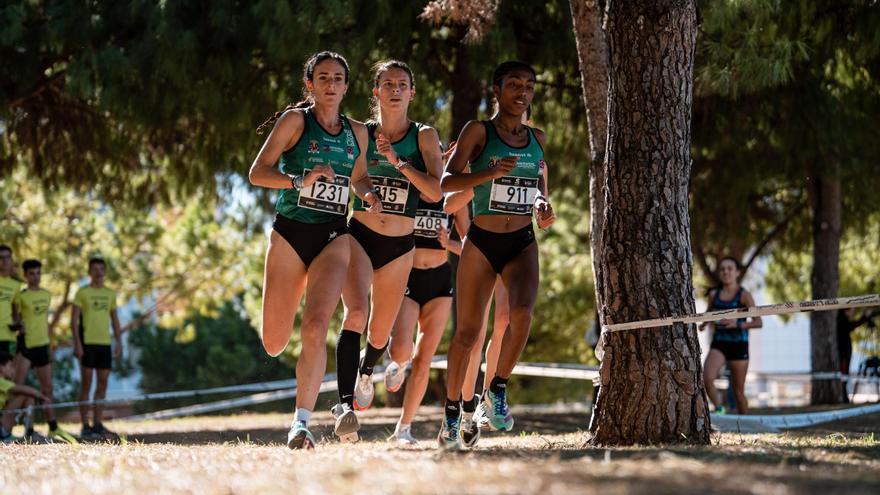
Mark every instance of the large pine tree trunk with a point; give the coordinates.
(593, 56)
(651, 380)
(467, 92)
(826, 203)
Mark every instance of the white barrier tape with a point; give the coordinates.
(769, 310)
(328, 384)
(776, 422)
(248, 387)
(548, 370)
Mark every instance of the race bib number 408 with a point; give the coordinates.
(513, 195)
(428, 221)
(394, 193)
(326, 195)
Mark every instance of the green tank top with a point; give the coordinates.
(513, 194)
(399, 196)
(325, 200)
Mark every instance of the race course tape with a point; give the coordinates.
(772, 309)
(550, 370)
(772, 423)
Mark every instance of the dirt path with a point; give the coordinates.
(242, 454)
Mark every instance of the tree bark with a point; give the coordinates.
(825, 280)
(593, 57)
(651, 380)
(466, 89)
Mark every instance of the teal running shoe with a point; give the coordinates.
(493, 411)
(449, 438)
(299, 436)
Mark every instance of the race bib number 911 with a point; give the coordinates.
(513, 195)
(326, 195)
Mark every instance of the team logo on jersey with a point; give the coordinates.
(374, 162)
(493, 161)
(350, 151)
(541, 164)
(313, 146)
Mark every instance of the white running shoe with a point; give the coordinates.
(394, 376)
(363, 393)
(403, 438)
(347, 425)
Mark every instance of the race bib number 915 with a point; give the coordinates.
(326, 195)
(394, 193)
(513, 195)
(428, 221)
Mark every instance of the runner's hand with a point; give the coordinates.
(78, 351)
(374, 201)
(448, 152)
(317, 172)
(443, 237)
(383, 146)
(504, 166)
(117, 350)
(544, 213)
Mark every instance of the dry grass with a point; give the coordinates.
(243, 454)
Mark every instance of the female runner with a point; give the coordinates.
(730, 342)
(505, 159)
(404, 162)
(320, 153)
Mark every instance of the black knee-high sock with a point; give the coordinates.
(371, 358)
(348, 351)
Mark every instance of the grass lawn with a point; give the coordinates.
(546, 454)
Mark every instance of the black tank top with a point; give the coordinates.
(730, 334)
(430, 217)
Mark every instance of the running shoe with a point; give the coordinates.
(394, 376)
(363, 393)
(493, 411)
(299, 436)
(8, 438)
(102, 433)
(88, 434)
(720, 410)
(449, 439)
(470, 429)
(63, 436)
(347, 425)
(36, 438)
(403, 437)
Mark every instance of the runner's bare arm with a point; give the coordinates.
(468, 147)
(360, 179)
(428, 183)
(287, 130)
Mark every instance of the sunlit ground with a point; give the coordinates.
(245, 454)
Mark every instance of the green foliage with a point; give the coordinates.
(172, 259)
(782, 90)
(219, 351)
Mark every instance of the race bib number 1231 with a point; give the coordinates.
(326, 195)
